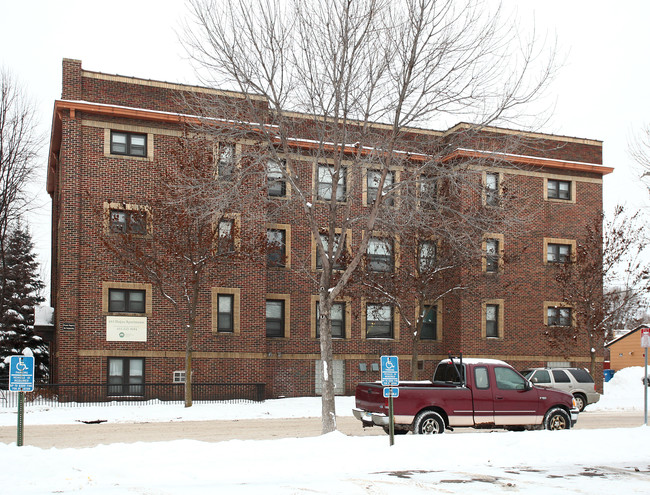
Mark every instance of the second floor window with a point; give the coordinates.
(380, 254)
(128, 221)
(225, 312)
(337, 263)
(379, 321)
(337, 317)
(429, 323)
(559, 317)
(427, 252)
(128, 143)
(226, 236)
(326, 183)
(492, 320)
(276, 247)
(491, 255)
(558, 253)
(558, 189)
(126, 301)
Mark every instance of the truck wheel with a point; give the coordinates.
(557, 419)
(428, 423)
(581, 402)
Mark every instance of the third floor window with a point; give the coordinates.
(128, 143)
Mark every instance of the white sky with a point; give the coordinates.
(600, 93)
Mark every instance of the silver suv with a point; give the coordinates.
(576, 381)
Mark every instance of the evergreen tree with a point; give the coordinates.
(20, 290)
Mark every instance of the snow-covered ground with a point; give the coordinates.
(575, 461)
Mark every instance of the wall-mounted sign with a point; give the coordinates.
(68, 327)
(126, 328)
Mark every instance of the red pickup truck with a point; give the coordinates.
(477, 393)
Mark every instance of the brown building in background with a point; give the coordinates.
(112, 133)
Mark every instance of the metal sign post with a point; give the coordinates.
(645, 343)
(390, 381)
(21, 380)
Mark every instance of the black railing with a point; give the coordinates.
(87, 394)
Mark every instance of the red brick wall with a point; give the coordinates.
(86, 178)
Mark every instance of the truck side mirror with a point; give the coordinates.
(528, 385)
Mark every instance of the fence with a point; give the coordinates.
(93, 394)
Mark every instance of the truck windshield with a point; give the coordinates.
(446, 372)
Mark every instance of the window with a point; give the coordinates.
(558, 253)
(276, 247)
(276, 183)
(379, 321)
(225, 312)
(275, 318)
(373, 177)
(338, 265)
(128, 221)
(481, 378)
(540, 376)
(558, 317)
(326, 184)
(126, 301)
(226, 163)
(380, 254)
(226, 236)
(126, 377)
(581, 375)
(492, 320)
(178, 377)
(428, 192)
(508, 379)
(558, 189)
(560, 376)
(427, 253)
(128, 143)
(492, 189)
(337, 317)
(429, 323)
(225, 307)
(492, 255)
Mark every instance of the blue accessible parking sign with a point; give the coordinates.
(389, 371)
(21, 374)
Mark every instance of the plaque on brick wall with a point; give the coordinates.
(126, 328)
(68, 327)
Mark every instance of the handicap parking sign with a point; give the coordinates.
(389, 371)
(21, 373)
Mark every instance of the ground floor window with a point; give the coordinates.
(126, 377)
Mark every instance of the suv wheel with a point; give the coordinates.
(581, 401)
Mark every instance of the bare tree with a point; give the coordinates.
(178, 251)
(318, 77)
(609, 254)
(640, 151)
(19, 147)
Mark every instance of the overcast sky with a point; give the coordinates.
(600, 93)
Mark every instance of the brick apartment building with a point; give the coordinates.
(112, 132)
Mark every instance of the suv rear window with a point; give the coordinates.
(582, 376)
(560, 376)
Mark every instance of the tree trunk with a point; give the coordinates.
(188, 367)
(414, 358)
(328, 404)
